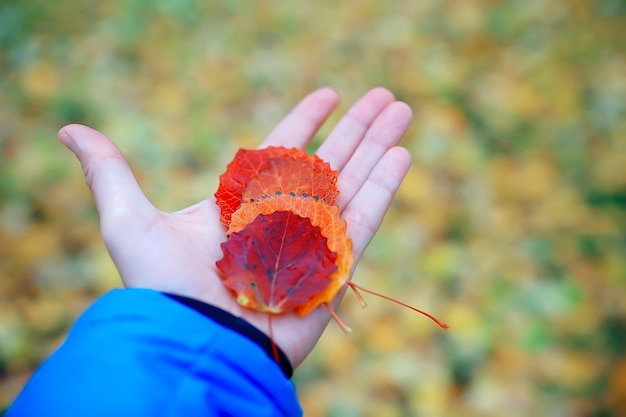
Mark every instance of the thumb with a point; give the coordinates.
(118, 197)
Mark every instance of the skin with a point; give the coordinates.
(176, 252)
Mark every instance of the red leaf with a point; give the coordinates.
(248, 164)
(276, 263)
(331, 226)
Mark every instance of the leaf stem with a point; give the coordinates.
(341, 324)
(430, 316)
(358, 295)
(271, 331)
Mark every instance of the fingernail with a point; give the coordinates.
(68, 140)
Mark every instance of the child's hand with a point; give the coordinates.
(176, 252)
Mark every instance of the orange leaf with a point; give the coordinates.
(248, 164)
(291, 176)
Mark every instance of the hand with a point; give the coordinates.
(176, 252)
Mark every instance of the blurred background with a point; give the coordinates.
(509, 226)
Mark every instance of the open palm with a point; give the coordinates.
(176, 252)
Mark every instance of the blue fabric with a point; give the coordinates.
(240, 326)
(137, 352)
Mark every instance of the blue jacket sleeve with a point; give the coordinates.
(137, 352)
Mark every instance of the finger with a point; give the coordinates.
(384, 133)
(365, 212)
(112, 183)
(299, 126)
(351, 129)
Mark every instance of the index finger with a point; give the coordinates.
(299, 126)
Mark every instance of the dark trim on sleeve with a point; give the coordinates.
(238, 325)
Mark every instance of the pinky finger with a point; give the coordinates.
(366, 210)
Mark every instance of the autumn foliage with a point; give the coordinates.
(287, 249)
